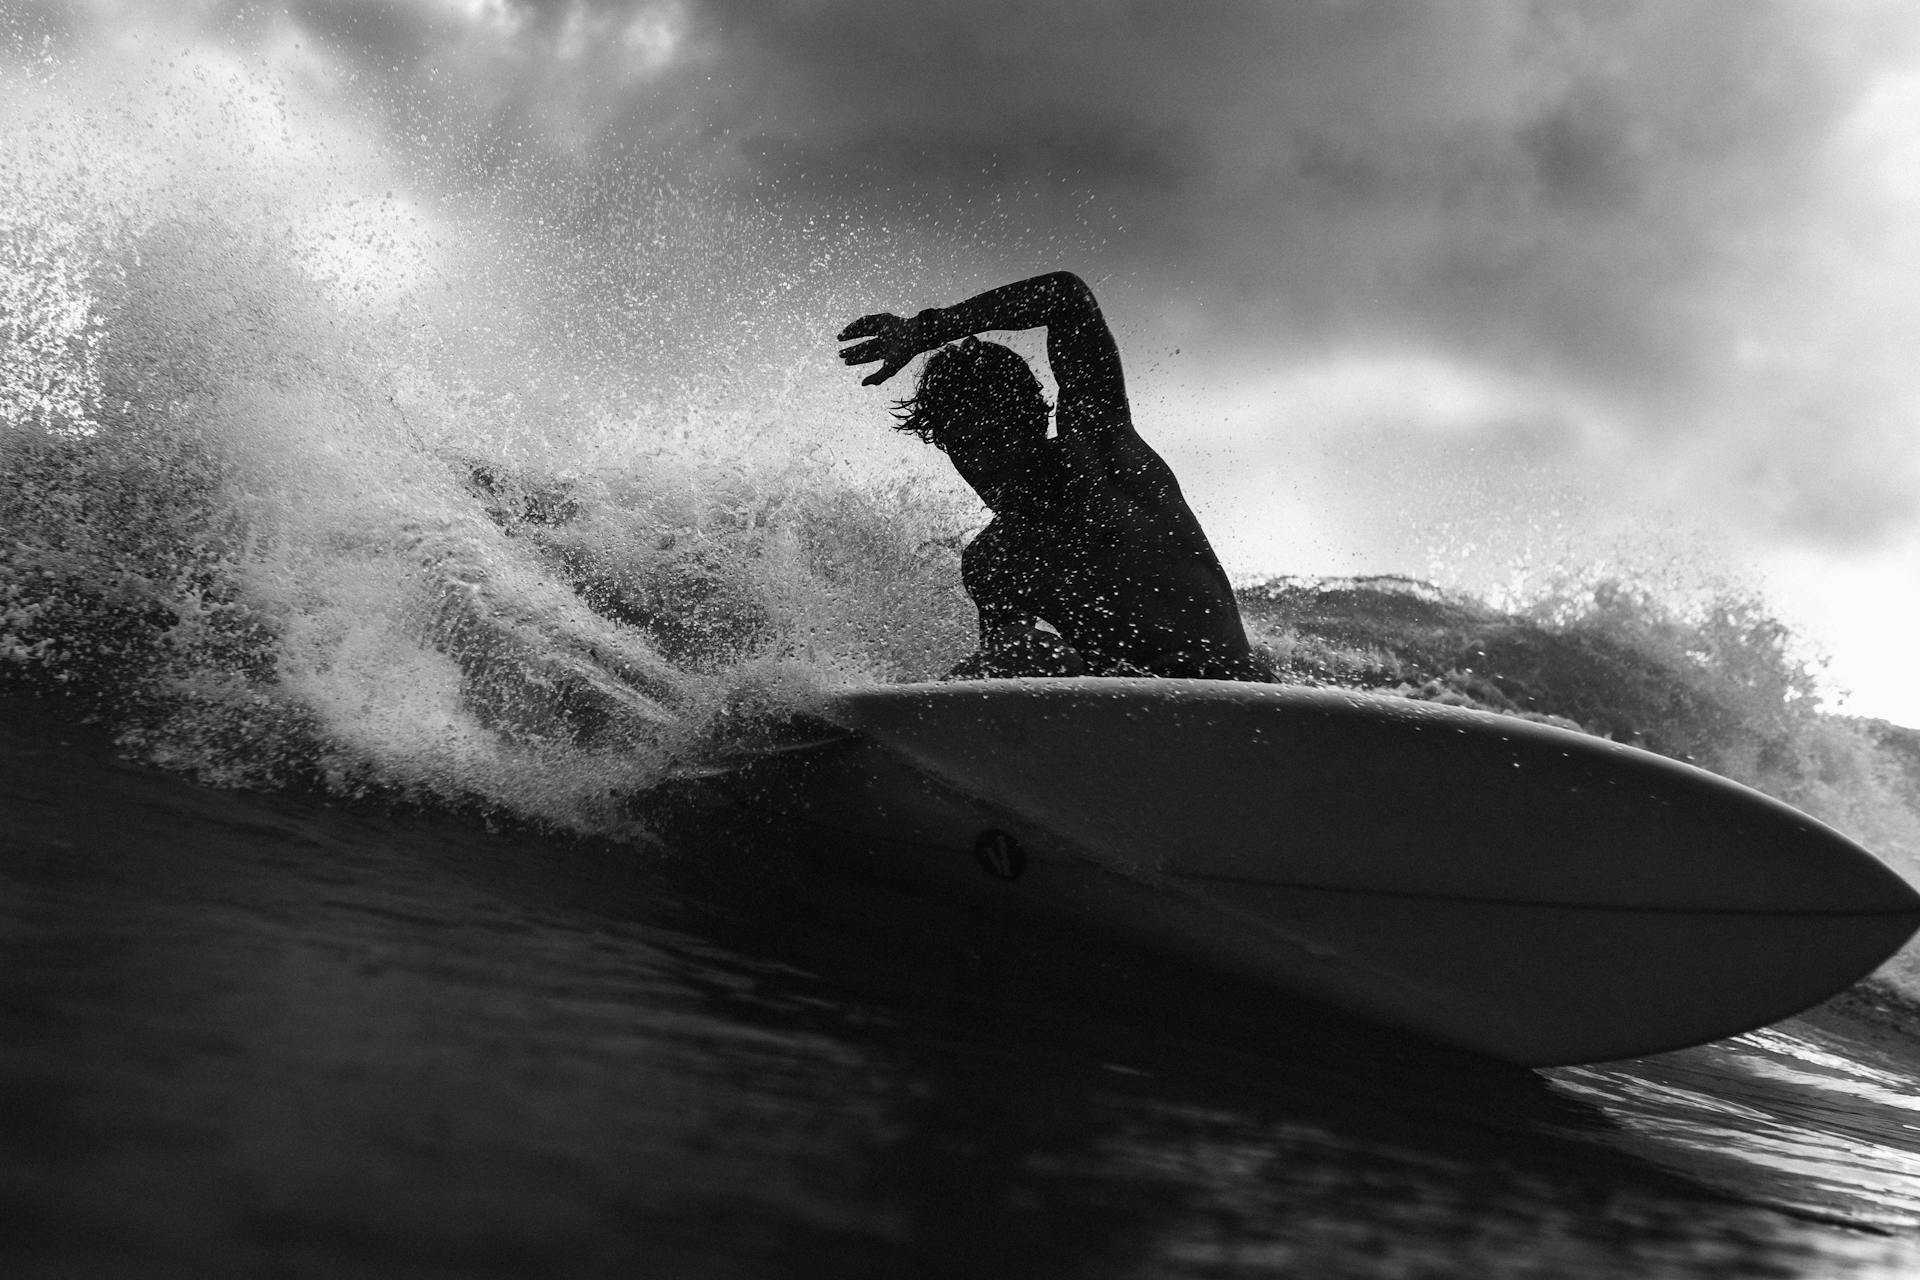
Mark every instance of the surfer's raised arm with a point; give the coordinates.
(1080, 348)
(1092, 563)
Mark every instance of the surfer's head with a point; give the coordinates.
(974, 394)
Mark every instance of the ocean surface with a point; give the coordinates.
(373, 560)
(249, 1034)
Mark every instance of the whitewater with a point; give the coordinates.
(375, 554)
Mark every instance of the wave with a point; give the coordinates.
(271, 545)
(1718, 682)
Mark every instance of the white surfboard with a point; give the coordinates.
(1536, 895)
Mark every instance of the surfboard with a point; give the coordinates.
(1522, 891)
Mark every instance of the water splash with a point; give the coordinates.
(295, 490)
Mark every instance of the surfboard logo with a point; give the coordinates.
(999, 854)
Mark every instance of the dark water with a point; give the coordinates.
(268, 1035)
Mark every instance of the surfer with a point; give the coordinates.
(1092, 564)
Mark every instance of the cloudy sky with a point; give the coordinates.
(1473, 289)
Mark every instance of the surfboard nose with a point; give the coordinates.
(1854, 878)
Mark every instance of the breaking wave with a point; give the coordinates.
(295, 490)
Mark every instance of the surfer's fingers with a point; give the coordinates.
(866, 352)
(868, 326)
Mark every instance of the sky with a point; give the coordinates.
(1477, 291)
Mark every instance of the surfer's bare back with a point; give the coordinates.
(1090, 534)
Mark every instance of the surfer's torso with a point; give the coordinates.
(1102, 547)
(1090, 534)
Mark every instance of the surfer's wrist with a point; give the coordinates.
(926, 329)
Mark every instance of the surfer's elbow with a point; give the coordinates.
(1070, 292)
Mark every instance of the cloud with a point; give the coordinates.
(1551, 180)
(1640, 202)
(1684, 215)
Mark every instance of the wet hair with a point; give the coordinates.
(968, 375)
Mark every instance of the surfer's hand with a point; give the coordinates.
(892, 340)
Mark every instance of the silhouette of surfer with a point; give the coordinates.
(1092, 564)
